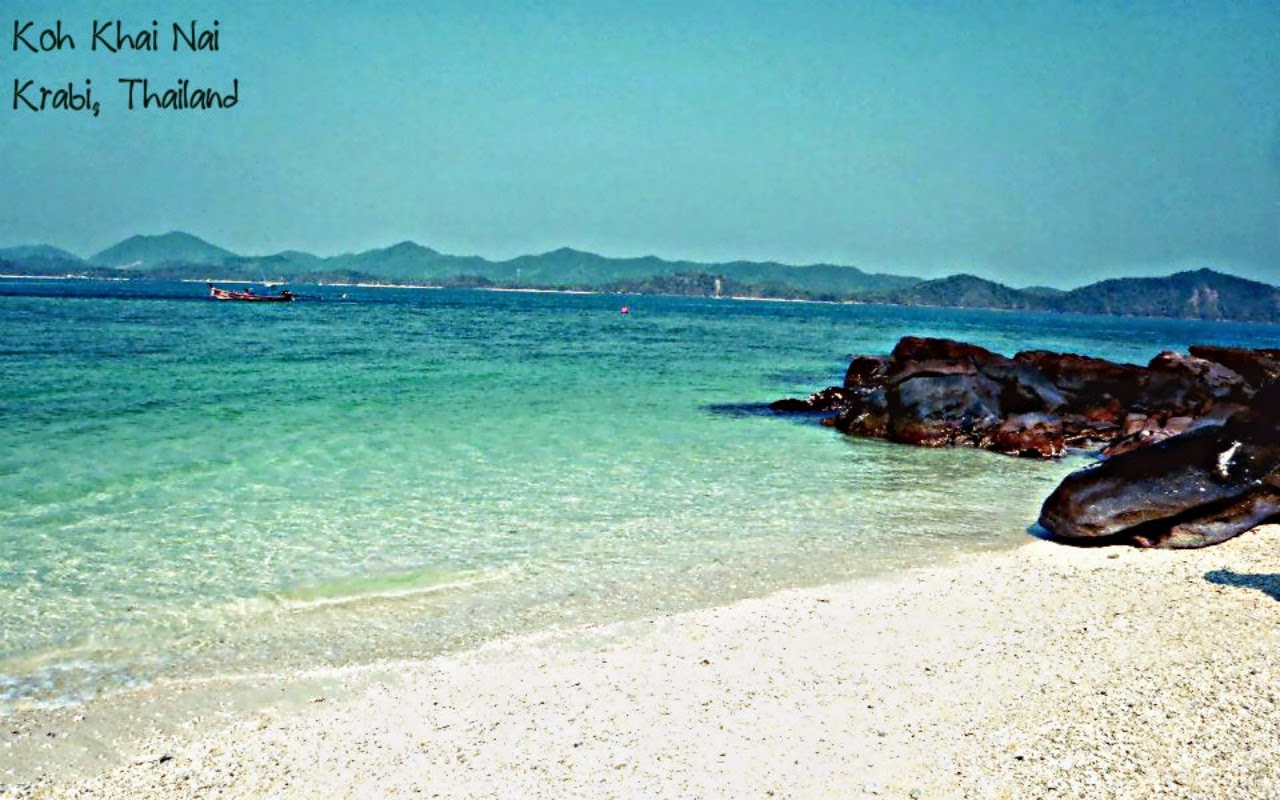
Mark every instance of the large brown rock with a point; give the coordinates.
(943, 392)
(1187, 385)
(866, 373)
(833, 398)
(1256, 367)
(865, 415)
(1155, 429)
(928, 348)
(915, 356)
(938, 410)
(1030, 435)
(1086, 382)
(1195, 489)
(1023, 388)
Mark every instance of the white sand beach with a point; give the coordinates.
(1046, 671)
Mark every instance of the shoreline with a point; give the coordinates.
(1040, 671)
(740, 298)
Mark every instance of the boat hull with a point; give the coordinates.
(216, 293)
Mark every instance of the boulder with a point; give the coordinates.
(928, 348)
(866, 373)
(1199, 488)
(790, 405)
(1023, 388)
(1038, 435)
(867, 414)
(1086, 382)
(1188, 385)
(943, 392)
(1094, 425)
(833, 398)
(940, 410)
(1256, 367)
(1153, 431)
(1216, 527)
(916, 356)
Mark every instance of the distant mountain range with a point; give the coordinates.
(1200, 294)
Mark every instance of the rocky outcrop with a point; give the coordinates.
(830, 399)
(1256, 367)
(1087, 383)
(865, 372)
(1030, 435)
(1190, 442)
(1198, 488)
(939, 393)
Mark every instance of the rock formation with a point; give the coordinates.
(1198, 488)
(1191, 443)
(939, 392)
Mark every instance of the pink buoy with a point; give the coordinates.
(625, 310)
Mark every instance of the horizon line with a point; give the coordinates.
(963, 272)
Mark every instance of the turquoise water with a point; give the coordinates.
(190, 488)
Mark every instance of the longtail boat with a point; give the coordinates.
(247, 295)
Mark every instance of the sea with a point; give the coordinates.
(190, 488)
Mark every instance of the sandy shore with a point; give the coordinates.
(1040, 672)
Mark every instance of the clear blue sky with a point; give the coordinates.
(1052, 143)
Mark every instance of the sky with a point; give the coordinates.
(1030, 143)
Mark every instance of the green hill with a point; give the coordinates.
(969, 291)
(175, 247)
(406, 261)
(818, 278)
(39, 258)
(1202, 294)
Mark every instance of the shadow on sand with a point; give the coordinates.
(1268, 583)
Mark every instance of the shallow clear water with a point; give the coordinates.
(189, 487)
